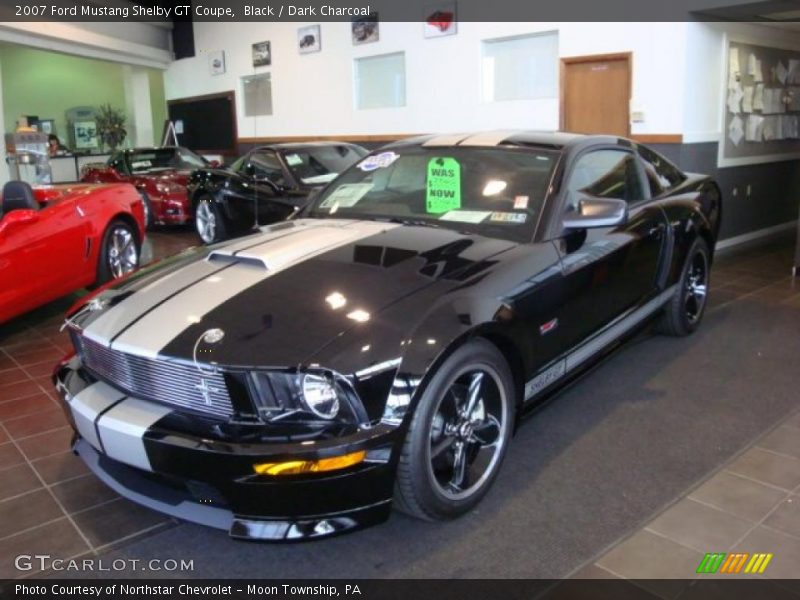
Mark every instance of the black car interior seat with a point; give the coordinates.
(18, 195)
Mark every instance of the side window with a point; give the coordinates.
(661, 174)
(267, 166)
(606, 174)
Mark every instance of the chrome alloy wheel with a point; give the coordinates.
(123, 256)
(468, 433)
(205, 221)
(696, 287)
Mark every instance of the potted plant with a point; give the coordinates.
(111, 126)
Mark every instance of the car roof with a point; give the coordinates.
(552, 139)
(288, 145)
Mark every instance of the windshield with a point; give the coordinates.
(495, 191)
(319, 165)
(164, 158)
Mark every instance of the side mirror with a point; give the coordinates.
(596, 212)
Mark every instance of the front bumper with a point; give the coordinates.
(140, 449)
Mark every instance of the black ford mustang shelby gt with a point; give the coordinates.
(377, 349)
(266, 185)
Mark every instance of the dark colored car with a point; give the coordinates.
(299, 382)
(160, 175)
(266, 185)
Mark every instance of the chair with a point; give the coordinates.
(18, 195)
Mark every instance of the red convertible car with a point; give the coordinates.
(160, 175)
(57, 239)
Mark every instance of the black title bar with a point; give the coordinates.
(387, 10)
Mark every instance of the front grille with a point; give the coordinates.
(169, 382)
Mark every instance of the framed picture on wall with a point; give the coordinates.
(440, 20)
(216, 62)
(308, 39)
(365, 30)
(85, 135)
(262, 55)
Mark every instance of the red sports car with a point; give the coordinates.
(57, 239)
(160, 175)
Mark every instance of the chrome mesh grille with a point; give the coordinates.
(173, 383)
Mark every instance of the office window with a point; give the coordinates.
(380, 81)
(520, 67)
(257, 93)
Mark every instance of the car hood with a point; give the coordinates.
(276, 298)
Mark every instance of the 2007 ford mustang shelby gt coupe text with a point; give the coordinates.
(377, 349)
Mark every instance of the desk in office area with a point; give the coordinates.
(67, 169)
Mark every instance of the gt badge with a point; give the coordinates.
(548, 327)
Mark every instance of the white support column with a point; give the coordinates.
(137, 106)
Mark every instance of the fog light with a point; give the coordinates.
(295, 467)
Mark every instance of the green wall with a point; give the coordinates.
(46, 84)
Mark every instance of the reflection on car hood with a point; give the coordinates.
(281, 295)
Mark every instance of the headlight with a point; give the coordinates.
(320, 396)
(306, 395)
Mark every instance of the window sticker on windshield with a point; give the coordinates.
(346, 195)
(293, 160)
(443, 190)
(520, 202)
(378, 161)
(508, 217)
(465, 216)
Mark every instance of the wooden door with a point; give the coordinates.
(596, 94)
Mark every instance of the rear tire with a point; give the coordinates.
(119, 252)
(458, 436)
(208, 220)
(684, 311)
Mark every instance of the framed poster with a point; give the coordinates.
(216, 62)
(440, 20)
(86, 135)
(308, 39)
(262, 55)
(365, 30)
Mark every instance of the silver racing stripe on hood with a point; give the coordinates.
(115, 320)
(249, 265)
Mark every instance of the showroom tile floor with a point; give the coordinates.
(753, 503)
(50, 504)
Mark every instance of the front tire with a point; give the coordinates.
(684, 311)
(458, 435)
(119, 252)
(208, 221)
